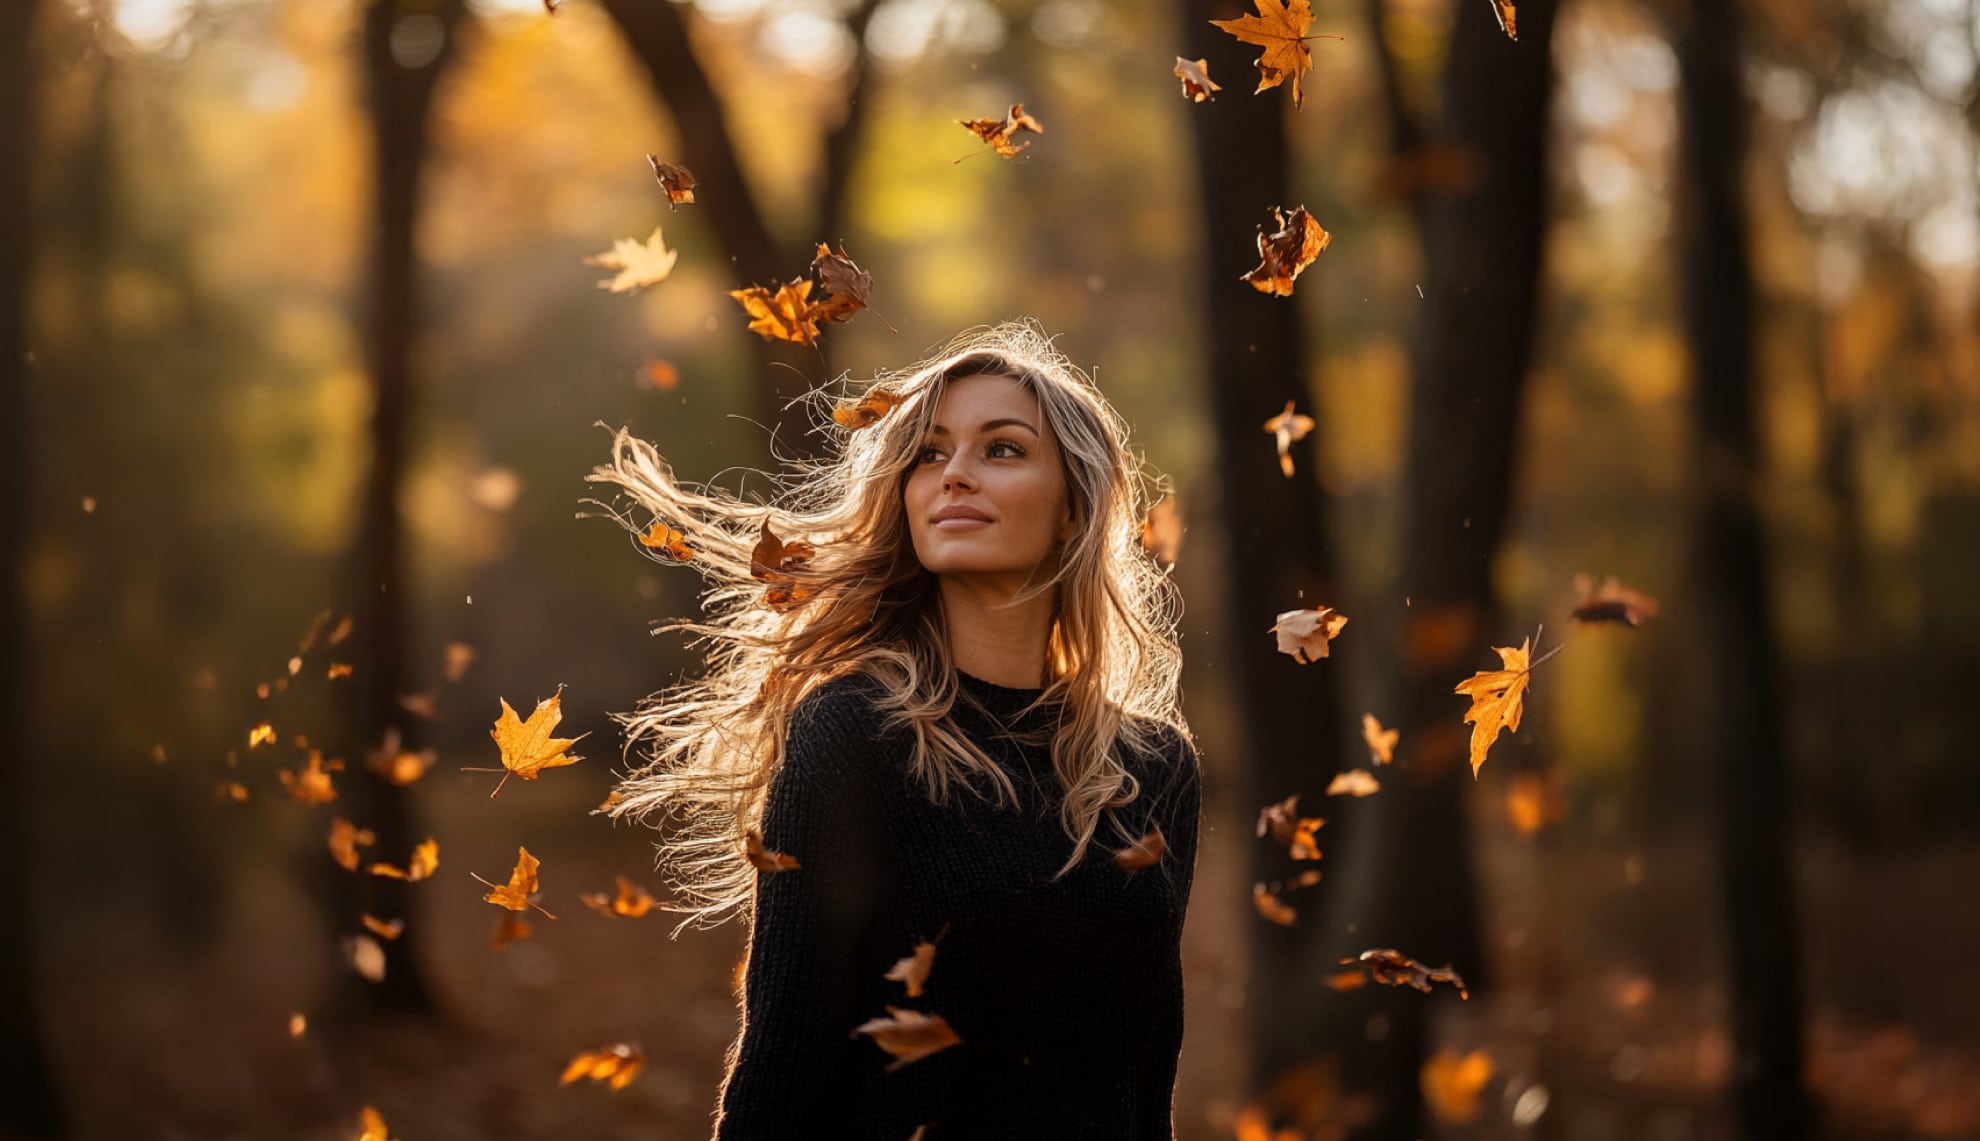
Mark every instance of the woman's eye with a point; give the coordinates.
(1015, 450)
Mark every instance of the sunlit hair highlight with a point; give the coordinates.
(710, 746)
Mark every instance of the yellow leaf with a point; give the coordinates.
(521, 890)
(527, 746)
(1281, 30)
(640, 264)
(1496, 700)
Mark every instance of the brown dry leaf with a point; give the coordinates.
(668, 540)
(425, 861)
(262, 734)
(1285, 428)
(1508, 22)
(1354, 782)
(521, 890)
(998, 132)
(1452, 1082)
(527, 746)
(1290, 830)
(913, 970)
(618, 1063)
(345, 840)
(632, 901)
(1162, 532)
(772, 561)
(1393, 968)
(366, 956)
(371, 1124)
(640, 264)
(1381, 742)
(763, 858)
(1196, 83)
(310, 784)
(1144, 852)
(1306, 634)
(1270, 907)
(1532, 802)
(458, 656)
(1285, 253)
(867, 410)
(677, 181)
(1611, 601)
(1496, 699)
(846, 285)
(1281, 29)
(908, 1035)
(386, 929)
(510, 928)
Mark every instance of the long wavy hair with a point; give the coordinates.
(711, 745)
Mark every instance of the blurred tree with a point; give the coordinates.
(1276, 534)
(407, 47)
(658, 35)
(1745, 740)
(1476, 180)
(33, 1109)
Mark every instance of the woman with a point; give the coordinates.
(932, 713)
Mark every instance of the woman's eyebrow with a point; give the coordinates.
(988, 425)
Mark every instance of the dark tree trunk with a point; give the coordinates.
(1747, 745)
(406, 48)
(1276, 527)
(32, 1107)
(1401, 861)
(658, 36)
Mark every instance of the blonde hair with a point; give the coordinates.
(1112, 657)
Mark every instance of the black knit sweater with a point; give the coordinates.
(1067, 995)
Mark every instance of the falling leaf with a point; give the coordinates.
(669, 540)
(1143, 852)
(1393, 968)
(424, 862)
(763, 858)
(262, 734)
(1508, 22)
(659, 374)
(1355, 783)
(772, 561)
(1162, 532)
(1284, 254)
(1195, 76)
(295, 665)
(371, 1124)
(1268, 905)
(527, 746)
(1346, 980)
(1532, 802)
(394, 763)
(310, 784)
(640, 264)
(677, 181)
(231, 790)
(867, 410)
(846, 285)
(345, 840)
(1290, 830)
(425, 704)
(521, 890)
(914, 969)
(632, 901)
(998, 132)
(908, 1035)
(366, 956)
(619, 1064)
(340, 631)
(1496, 700)
(298, 1025)
(337, 670)
(1281, 29)
(1306, 634)
(1611, 602)
(786, 315)
(387, 929)
(1452, 1082)
(460, 656)
(1286, 427)
(510, 928)
(1381, 742)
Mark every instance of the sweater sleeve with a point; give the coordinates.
(1158, 1084)
(790, 1075)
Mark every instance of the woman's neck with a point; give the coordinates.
(991, 639)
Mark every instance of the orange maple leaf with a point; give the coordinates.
(345, 840)
(311, 784)
(1294, 832)
(763, 858)
(1144, 852)
(786, 315)
(527, 746)
(773, 561)
(668, 540)
(677, 181)
(632, 901)
(1508, 21)
(1497, 700)
(1306, 634)
(914, 969)
(425, 861)
(618, 1064)
(998, 132)
(521, 890)
(1285, 253)
(867, 410)
(1281, 29)
(1381, 742)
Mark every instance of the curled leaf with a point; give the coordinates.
(1285, 253)
(1306, 634)
(1196, 83)
(677, 181)
(1393, 968)
(998, 132)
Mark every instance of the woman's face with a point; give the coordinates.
(989, 455)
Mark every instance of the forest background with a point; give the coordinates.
(294, 319)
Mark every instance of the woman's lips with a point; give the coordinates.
(959, 523)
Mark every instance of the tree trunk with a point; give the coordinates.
(1401, 862)
(34, 1108)
(407, 46)
(1275, 527)
(1747, 745)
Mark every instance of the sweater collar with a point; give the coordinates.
(1006, 702)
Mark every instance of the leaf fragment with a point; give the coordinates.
(1286, 427)
(677, 181)
(1295, 241)
(1390, 967)
(1381, 742)
(908, 1035)
(998, 132)
(1196, 82)
(1306, 634)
